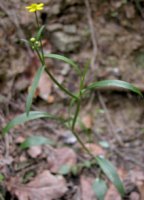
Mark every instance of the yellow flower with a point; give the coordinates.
(35, 7)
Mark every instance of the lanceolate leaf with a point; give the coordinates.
(36, 141)
(115, 83)
(64, 59)
(39, 33)
(33, 89)
(100, 188)
(111, 173)
(24, 118)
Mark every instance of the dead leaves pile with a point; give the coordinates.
(44, 187)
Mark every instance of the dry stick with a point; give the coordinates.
(111, 128)
(93, 33)
(122, 155)
(94, 42)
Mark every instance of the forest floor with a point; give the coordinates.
(111, 35)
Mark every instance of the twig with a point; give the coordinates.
(133, 160)
(93, 33)
(111, 128)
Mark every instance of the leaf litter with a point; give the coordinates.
(115, 40)
(45, 186)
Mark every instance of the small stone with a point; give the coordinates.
(54, 27)
(71, 29)
(69, 138)
(130, 11)
(19, 140)
(55, 9)
(35, 151)
(64, 42)
(66, 69)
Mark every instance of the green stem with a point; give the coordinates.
(59, 85)
(82, 144)
(75, 118)
(43, 59)
(76, 114)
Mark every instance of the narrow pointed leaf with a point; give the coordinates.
(36, 141)
(111, 173)
(115, 83)
(33, 89)
(64, 59)
(100, 188)
(39, 33)
(24, 118)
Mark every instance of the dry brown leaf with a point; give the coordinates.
(112, 194)
(137, 178)
(61, 156)
(44, 87)
(87, 121)
(44, 187)
(95, 149)
(135, 196)
(87, 192)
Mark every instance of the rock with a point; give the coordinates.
(54, 27)
(71, 2)
(64, 42)
(70, 29)
(130, 11)
(55, 9)
(35, 151)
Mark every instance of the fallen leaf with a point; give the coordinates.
(95, 149)
(87, 192)
(44, 87)
(51, 99)
(137, 177)
(135, 196)
(87, 121)
(61, 156)
(44, 187)
(112, 194)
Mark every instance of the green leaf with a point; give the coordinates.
(33, 89)
(115, 83)
(65, 169)
(36, 141)
(24, 118)
(39, 33)
(100, 188)
(64, 59)
(1, 177)
(111, 173)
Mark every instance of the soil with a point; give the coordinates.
(110, 35)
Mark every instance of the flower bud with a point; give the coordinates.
(32, 40)
(37, 43)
